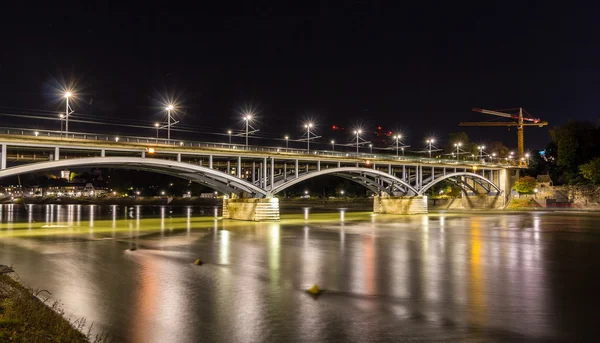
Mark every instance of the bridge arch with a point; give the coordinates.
(348, 173)
(212, 178)
(473, 176)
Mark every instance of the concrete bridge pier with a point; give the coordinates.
(254, 209)
(400, 204)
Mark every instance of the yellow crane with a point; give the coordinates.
(520, 123)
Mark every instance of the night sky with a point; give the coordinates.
(419, 69)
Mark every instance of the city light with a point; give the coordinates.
(430, 141)
(308, 126)
(68, 111)
(247, 118)
(332, 145)
(170, 108)
(36, 133)
(287, 141)
(229, 133)
(357, 133)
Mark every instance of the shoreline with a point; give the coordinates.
(26, 318)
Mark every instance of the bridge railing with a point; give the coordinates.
(154, 141)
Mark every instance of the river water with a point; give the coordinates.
(478, 277)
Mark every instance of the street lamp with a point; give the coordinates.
(357, 132)
(169, 109)
(247, 118)
(493, 156)
(229, 133)
(527, 157)
(342, 192)
(473, 157)
(430, 142)
(68, 111)
(481, 147)
(402, 151)
(397, 138)
(36, 133)
(308, 126)
(371, 148)
(332, 145)
(457, 145)
(156, 125)
(287, 141)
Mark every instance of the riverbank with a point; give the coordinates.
(25, 318)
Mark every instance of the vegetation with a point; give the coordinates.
(520, 204)
(525, 185)
(591, 170)
(24, 318)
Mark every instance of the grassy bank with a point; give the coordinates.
(24, 318)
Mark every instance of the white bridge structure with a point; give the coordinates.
(251, 177)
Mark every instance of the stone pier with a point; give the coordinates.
(251, 209)
(400, 205)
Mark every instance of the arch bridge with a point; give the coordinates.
(242, 173)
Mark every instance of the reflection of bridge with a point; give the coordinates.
(249, 173)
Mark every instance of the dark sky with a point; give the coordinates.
(418, 68)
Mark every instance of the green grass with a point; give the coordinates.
(24, 318)
(521, 204)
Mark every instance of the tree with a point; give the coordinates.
(498, 148)
(526, 184)
(575, 141)
(591, 170)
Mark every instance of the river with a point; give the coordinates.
(476, 277)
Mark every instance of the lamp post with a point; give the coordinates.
(402, 151)
(473, 157)
(493, 156)
(247, 118)
(397, 138)
(287, 141)
(371, 148)
(527, 157)
(67, 112)
(156, 125)
(308, 126)
(481, 147)
(229, 133)
(457, 145)
(430, 142)
(169, 109)
(332, 145)
(357, 132)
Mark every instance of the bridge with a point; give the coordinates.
(251, 177)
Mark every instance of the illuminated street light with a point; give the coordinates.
(287, 141)
(527, 157)
(397, 138)
(169, 108)
(36, 133)
(68, 110)
(357, 132)
(430, 142)
(332, 145)
(481, 147)
(116, 139)
(229, 133)
(457, 145)
(308, 126)
(247, 118)
(371, 148)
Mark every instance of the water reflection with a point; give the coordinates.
(446, 277)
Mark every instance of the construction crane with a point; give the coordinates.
(520, 123)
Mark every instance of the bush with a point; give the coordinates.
(526, 185)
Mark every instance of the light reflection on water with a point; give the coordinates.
(388, 278)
